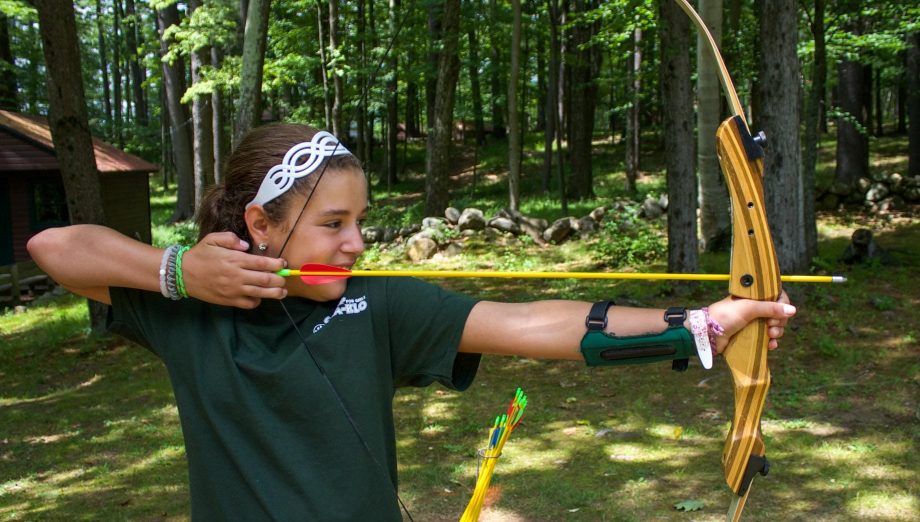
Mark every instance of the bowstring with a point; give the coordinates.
(303, 339)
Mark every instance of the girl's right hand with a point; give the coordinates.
(220, 270)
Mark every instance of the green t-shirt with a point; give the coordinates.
(265, 437)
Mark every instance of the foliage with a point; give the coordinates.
(627, 240)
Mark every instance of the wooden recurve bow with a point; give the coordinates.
(754, 275)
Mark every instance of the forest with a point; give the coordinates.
(178, 83)
(531, 110)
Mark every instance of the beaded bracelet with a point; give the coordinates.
(180, 283)
(168, 253)
(715, 329)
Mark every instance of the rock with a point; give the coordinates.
(452, 250)
(468, 233)
(559, 230)
(912, 194)
(408, 230)
(895, 183)
(505, 225)
(892, 203)
(863, 185)
(421, 248)
(389, 234)
(373, 234)
(428, 233)
(877, 192)
(452, 215)
(471, 219)
(663, 202)
(651, 209)
(586, 226)
(598, 214)
(434, 222)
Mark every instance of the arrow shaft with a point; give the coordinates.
(438, 274)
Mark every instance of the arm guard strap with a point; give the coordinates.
(599, 348)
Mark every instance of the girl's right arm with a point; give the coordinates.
(89, 259)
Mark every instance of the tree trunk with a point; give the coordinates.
(902, 94)
(249, 109)
(116, 75)
(323, 60)
(812, 121)
(174, 85)
(138, 72)
(913, 104)
(431, 72)
(495, 74)
(584, 70)
(202, 122)
(69, 123)
(778, 116)
(439, 139)
(561, 16)
(852, 142)
(363, 138)
(7, 72)
(634, 74)
(221, 138)
(393, 102)
(552, 102)
(514, 141)
(540, 125)
(715, 222)
(413, 129)
(338, 83)
(677, 111)
(476, 88)
(104, 65)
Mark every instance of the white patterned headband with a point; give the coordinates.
(280, 178)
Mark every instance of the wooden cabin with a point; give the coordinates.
(32, 198)
(32, 191)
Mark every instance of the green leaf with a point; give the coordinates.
(689, 505)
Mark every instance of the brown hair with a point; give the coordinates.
(261, 149)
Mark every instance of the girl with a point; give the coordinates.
(285, 389)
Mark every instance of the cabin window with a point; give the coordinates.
(48, 204)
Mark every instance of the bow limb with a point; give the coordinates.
(754, 275)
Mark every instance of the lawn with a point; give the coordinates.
(89, 430)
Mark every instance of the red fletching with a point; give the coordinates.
(325, 278)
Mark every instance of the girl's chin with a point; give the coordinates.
(325, 292)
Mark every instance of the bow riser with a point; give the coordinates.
(754, 268)
(754, 275)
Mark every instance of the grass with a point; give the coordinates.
(89, 431)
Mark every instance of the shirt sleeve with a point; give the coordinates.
(147, 318)
(425, 326)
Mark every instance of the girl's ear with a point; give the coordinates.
(258, 224)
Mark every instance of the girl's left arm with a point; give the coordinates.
(553, 329)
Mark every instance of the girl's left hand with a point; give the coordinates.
(733, 314)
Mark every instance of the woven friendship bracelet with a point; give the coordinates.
(180, 282)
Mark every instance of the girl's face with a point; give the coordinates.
(329, 232)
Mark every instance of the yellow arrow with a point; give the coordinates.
(546, 275)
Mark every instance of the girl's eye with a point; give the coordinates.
(334, 224)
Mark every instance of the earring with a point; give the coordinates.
(263, 247)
